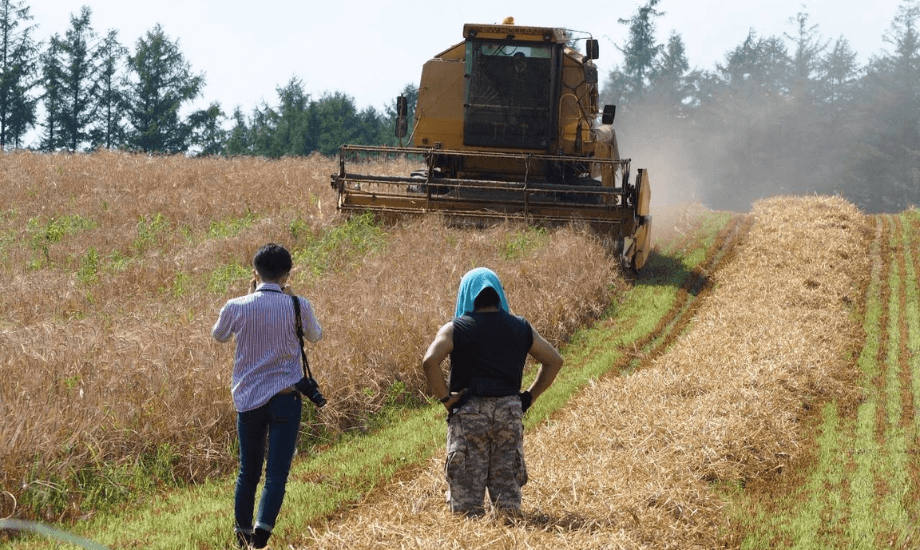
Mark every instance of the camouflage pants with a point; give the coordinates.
(485, 450)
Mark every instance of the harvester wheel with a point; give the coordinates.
(642, 244)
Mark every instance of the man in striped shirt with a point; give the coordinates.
(265, 368)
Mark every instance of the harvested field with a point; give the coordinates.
(633, 461)
(858, 487)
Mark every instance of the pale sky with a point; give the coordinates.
(371, 50)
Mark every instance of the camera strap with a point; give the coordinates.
(303, 354)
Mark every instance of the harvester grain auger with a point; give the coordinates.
(506, 127)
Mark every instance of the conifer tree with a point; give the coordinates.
(883, 174)
(806, 59)
(80, 86)
(671, 82)
(53, 98)
(839, 86)
(238, 142)
(160, 83)
(109, 128)
(19, 55)
(208, 135)
(641, 50)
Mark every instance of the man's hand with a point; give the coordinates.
(253, 284)
(526, 400)
(454, 398)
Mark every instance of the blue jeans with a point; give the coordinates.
(279, 420)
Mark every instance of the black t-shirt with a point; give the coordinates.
(489, 352)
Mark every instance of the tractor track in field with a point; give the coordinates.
(694, 291)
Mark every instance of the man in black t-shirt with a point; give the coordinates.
(488, 348)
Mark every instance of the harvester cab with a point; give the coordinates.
(507, 126)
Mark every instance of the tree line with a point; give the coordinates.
(95, 92)
(781, 114)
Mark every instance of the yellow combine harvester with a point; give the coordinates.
(506, 127)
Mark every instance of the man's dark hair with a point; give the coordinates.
(272, 261)
(487, 297)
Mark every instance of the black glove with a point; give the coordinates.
(526, 400)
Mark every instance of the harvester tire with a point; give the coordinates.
(642, 244)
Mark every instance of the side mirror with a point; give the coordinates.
(402, 127)
(610, 112)
(591, 49)
(402, 109)
(590, 74)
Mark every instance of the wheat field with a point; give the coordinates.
(116, 266)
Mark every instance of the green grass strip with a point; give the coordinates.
(804, 512)
(893, 463)
(862, 526)
(912, 315)
(912, 318)
(828, 506)
(863, 513)
(807, 527)
(861, 487)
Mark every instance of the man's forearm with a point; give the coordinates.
(435, 378)
(545, 377)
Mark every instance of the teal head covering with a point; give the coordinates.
(474, 282)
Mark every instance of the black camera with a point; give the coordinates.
(308, 386)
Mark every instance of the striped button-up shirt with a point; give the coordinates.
(267, 356)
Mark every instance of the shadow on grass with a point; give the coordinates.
(672, 271)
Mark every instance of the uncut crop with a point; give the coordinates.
(116, 266)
